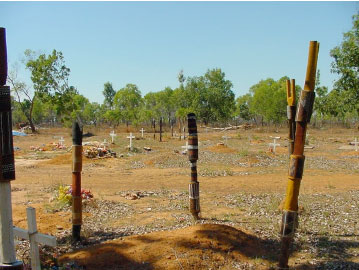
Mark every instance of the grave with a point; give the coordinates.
(226, 138)
(113, 135)
(104, 143)
(142, 130)
(351, 146)
(61, 141)
(272, 146)
(130, 137)
(185, 147)
(355, 143)
(34, 237)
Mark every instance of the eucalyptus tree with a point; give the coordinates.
(127, 103)
(346, 65)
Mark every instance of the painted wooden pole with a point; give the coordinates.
(192, 149)
(296, 163)
(291, 110)
(161, 123)
(171, 128)
(154, 128)
(7, 165)
(76, 181)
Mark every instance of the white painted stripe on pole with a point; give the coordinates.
(193, 164)
(7, 246)
(192, 147)
(194, 190)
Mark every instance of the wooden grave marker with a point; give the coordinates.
(34, 237)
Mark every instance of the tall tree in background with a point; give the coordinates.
(49, 75)
(181, 78)
(346, 65)
(243, 104)
(321, 98)
(24, 97)
(109, 94)
(269, 99)
(209, 96)
(220, 96)
(127, 103)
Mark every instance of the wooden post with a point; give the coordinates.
(34, 248)
(34, 237)
(7, 165)
(76, 181)
(161, 123)
(291, 110)
(154, 128)
(296, 163)
(192, 149)
(171, 128)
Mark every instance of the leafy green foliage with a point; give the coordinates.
(109, 94)
(269, 99)
(127, 103)
(243, 104)
(48, 73)
(209, 96)
(346, 65)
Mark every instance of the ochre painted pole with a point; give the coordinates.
(7, 167)
(193, 157)
(291, 110)
(296, 163)
(76, 181)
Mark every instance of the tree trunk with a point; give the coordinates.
(33, 130)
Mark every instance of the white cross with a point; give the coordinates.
(274, 144)
(34, 238)
(226, 138)
(61, 141)
(185, 147)
(113, 135)
(142, 130)
(105, 143)
(131, 137)
(356, 143)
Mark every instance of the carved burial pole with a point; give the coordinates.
(161, 123)
(193, 157)
(296, 163)
(7, 162)
(154, 128)
(76, 181)
(291, 110)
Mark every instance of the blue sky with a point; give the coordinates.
(148, 43)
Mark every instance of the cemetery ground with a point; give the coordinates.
(139, 217)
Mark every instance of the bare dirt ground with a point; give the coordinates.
(241, 187)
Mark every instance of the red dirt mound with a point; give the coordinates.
(208, 246)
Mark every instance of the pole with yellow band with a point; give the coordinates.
(291, 110)
(192, 150)
(76, 181)
(296, 163)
